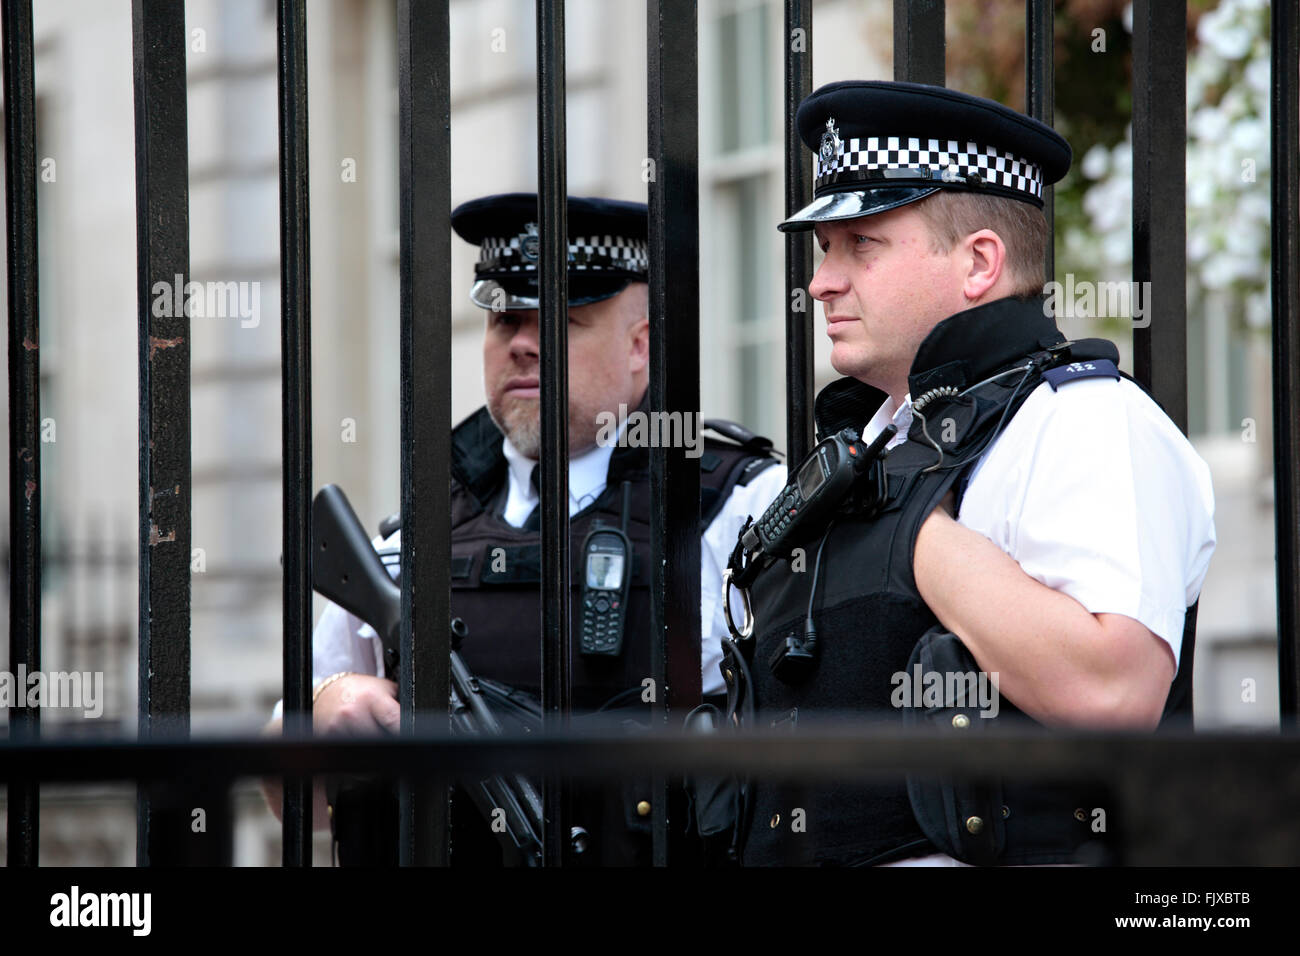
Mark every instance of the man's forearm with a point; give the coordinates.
(1055, 661)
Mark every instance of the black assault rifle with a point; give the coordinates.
(347, 570)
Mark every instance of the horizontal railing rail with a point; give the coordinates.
(1180, 798)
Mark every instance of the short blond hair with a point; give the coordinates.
(952, 215)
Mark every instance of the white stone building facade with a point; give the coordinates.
(88, 300)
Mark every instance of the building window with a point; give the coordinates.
(741, 256)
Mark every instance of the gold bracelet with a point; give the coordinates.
(326, 682)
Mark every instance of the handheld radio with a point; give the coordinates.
(606, 575)
(821, 483)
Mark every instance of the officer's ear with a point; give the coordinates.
(639, 354)
(986, 254)
(637, 302)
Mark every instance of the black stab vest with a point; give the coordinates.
(496, 590)
(871, 620)
(496, 568)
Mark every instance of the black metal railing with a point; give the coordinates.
(674, 201)
(162, 256)
(1180, 798)
(799, 430)
(1040, 96)
(424, 93)
(553, 342)
(1285, 251)
(295, 389)
(24, 404)
(1159, 199)
(1245, 785)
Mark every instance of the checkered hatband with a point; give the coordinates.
(595, 253)
(884, 160)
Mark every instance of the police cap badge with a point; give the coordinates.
(607, 248)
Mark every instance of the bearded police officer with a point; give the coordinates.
(495, 532)
(1037, 519)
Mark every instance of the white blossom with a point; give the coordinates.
(1227, 168)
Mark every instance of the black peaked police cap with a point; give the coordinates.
(880, 145)
(608, 248)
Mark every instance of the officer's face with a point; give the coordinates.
(609, 353)
(883, 288)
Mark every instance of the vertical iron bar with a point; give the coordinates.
(553, 291)
(1286, 347)
(162, 273)
(23, 826)
(919, 41)
(674, 195)
(799, 373)
(1040, 98)
(1160, 200)
(424, 100)
(295, 423)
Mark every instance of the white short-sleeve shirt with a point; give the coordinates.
(1096, 494)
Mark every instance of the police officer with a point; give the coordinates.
(1041, 528)
(496, 508)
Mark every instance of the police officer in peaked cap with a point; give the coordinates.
(496, 537)
(1035, 536)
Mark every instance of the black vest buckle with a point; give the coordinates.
(794, 659)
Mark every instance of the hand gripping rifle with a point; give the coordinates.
(347, 570)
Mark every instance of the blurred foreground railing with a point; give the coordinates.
(1181, 799)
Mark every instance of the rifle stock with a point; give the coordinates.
(347, 570)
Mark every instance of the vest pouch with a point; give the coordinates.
(722, 806)
(610, 809)
(713, 803)
(962, 817)
(637, 792)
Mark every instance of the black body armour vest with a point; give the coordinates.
(872, 624)
(496, 590)
(496, 568)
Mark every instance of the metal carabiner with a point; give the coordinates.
(745, 633)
